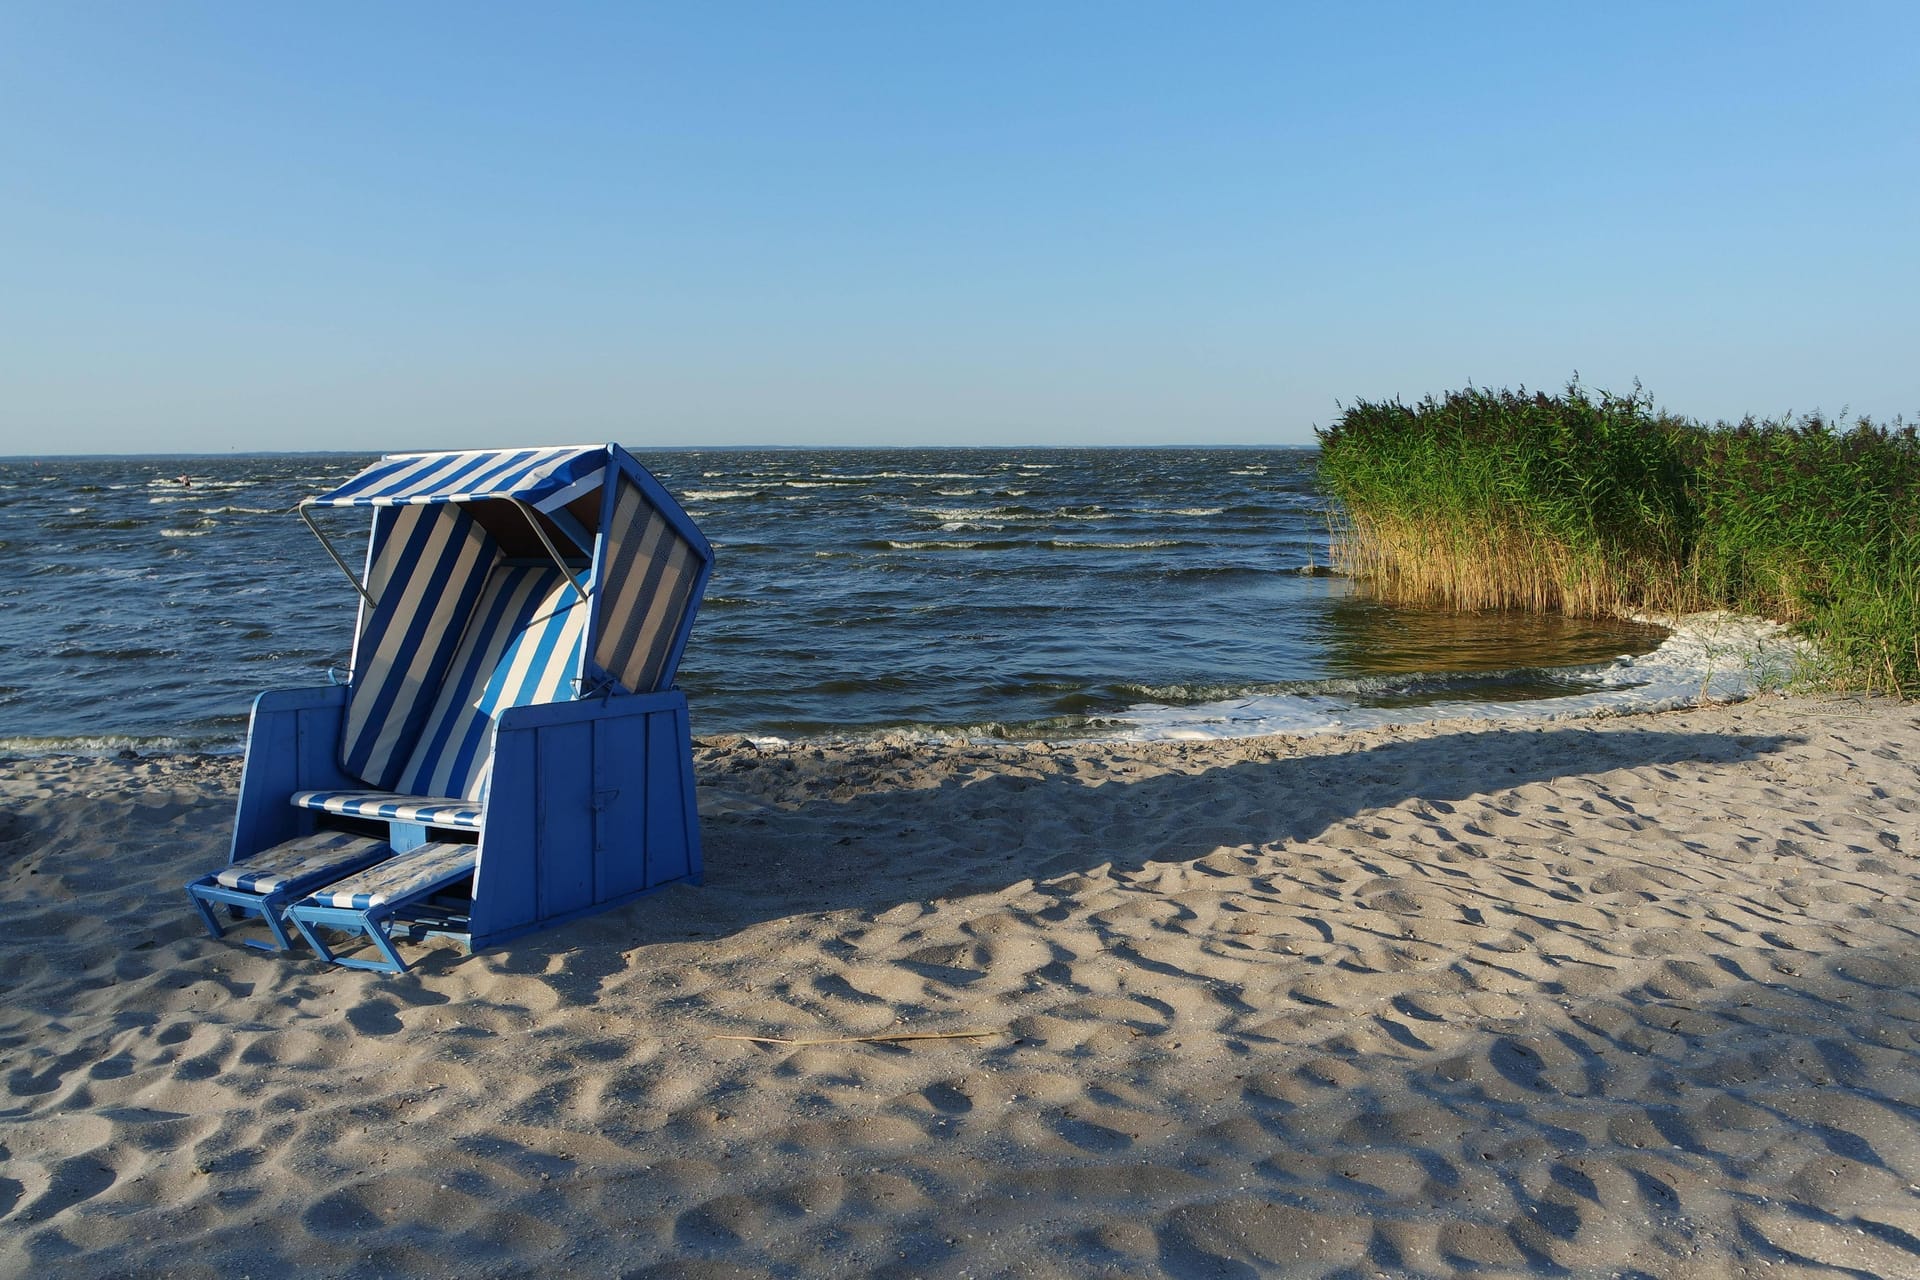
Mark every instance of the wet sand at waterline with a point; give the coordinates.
(1631, 996)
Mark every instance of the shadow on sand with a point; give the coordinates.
(867, 853)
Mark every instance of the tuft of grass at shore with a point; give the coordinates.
(1599, 505)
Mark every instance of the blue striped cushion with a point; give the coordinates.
(647, 585)
(407, 875)
(315, 858)
(390, 806)
(427, 571)
(539, 664)
(521, 647)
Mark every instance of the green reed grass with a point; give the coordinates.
(1600, 505)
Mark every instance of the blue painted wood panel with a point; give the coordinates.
(619, 798)
(293, 742)
(505, 886)
(565, 797)
(673, 831)
(591, 803)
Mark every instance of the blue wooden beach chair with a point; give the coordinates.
(508, 750)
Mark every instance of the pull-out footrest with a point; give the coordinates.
(369, 903)
(267, 882)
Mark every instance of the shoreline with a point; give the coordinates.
(1577, 997)
(1703, 658)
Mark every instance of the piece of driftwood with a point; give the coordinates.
(882, 1039)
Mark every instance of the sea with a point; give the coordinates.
(1007, 594)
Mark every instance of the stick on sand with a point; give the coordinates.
(886, 1039)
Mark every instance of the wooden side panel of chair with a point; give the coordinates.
(293, 744)
(591, 804)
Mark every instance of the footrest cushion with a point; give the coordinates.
(390, 806)
(407, 875)
(311, 859)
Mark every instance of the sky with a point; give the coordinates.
(380, 226)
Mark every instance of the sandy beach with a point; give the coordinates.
(1624, 997)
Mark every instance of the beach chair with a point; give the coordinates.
(508, 750)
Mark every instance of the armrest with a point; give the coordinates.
(546, 714)
(293, 744)
(276, 701)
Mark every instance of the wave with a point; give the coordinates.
(864, 476)
(116, 524)
(1484, 686)
(1021, 544)
(1019, 513)
(952, 513)
(1705, 658)
(1708, 657)
(117, 744)
(1222, 572)
(955, 544)
(1144, 544)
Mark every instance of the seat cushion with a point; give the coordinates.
(391, 806)
(408, 875)
(309, 860)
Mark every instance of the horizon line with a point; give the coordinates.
(674, 448)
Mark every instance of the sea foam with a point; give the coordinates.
(1708, 657)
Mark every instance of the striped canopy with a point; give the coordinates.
(543, 478)
(462, 617)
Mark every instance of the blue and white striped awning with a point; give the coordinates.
(543, 478)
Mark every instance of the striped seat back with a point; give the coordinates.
(521, 647)
(650, 576)
(427, 569)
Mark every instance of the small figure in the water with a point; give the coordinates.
(186, 482)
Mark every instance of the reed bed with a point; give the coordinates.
(1596, 505)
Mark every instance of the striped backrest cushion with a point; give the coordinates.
(540, 663)
(427, 570)
(647, 581)
(521, 647)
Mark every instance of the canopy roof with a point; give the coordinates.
(542, 478)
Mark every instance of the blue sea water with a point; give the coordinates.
(1006, 592)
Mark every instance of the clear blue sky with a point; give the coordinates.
(283, 226)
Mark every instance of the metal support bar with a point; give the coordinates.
(533, 518)
(371, 602)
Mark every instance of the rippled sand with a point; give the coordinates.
(1629, 998)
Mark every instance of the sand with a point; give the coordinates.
(1626, 997)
